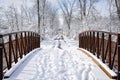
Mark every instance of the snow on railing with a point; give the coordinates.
(13, 46)
(104, 45)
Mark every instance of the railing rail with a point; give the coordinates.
(14, 46)
(104, 45)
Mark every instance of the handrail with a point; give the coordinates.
(112, 33)
(4, 34)
(14, 46)
(104, 45)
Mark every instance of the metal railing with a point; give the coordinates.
(14, 46)
(104, 45)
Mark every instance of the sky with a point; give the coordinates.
(101, 6)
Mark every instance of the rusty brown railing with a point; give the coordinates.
(14, 46)
(104, 45)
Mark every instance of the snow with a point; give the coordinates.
(15, 66)
(58, 60)
(112, 73)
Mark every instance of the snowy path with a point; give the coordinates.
(58, 60)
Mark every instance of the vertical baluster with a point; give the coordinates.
(118, 46)
(28, 39)
(25, 41)
(93, 43)
(90, 42)
(10, 52)
(103, 55)
(1, 57)
(79, 40)
(35, 40)
(21, 44)
(39, 40)
(109, 51)
(31, 41)
(98, 44)
(16, 47)
(83, 41)
(87, 41)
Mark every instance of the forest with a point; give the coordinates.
(59, 17)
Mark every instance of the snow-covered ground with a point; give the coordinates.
(58, 60)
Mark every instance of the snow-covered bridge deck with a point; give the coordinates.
(57, 60)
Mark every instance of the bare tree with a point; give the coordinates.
(53, 18)
(12, 17)
(16, 18)
(67, 9)
(38, 12)
(43, 10)
(82, 5)
(85, 7)
(117, 2)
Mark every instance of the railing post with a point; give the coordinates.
(103, 56)
(1, 57)
(21, 44)
(109, 49)
(10, 52)
(98, 45)
(35, 40)
(38, 40)
(85, 41)
(28, 44)
(93, 43)
(30, 41)
(118, 46)
(79, 40)
(90, 42)
(25, 39)
(16, 47)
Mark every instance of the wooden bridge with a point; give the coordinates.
(14, 45)
(104, 45)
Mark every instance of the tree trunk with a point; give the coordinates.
(117, 2)
(38, 16)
